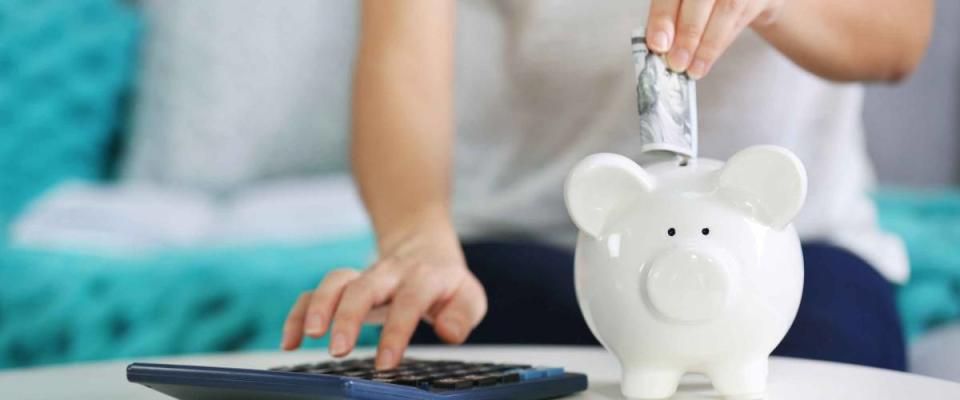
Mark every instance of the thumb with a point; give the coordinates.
(463, 312)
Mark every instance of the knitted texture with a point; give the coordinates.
(63, 66)
(58, 307)
(929, 223)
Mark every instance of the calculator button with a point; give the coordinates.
(485, 370)
(427, 370)
(438, 375)
(385, 374)
(506, 367)
(335, 370)
(301, 367)
(451, 364)
(539, 373)
(551, 371)
(482, 380)
(474, 379)
(319, 372)
(452, 383)
(531, 374)
(508, 377)
(411, 380)
(360, 374)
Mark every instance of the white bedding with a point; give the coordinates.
(132, 218)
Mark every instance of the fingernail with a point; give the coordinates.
(679, 60)
(338, 345)
(697, 69)
(315, 324)
(452, 326)
(284, 341)
(385, 359)
(660, 41)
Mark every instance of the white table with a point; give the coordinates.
(789, 378)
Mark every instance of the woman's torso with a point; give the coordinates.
(541, 84)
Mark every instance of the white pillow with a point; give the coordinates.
(140, 218)
(233, 91)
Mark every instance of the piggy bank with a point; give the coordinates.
(689, 266)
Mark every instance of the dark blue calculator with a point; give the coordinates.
(357, 379)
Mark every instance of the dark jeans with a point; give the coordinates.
(847, 313)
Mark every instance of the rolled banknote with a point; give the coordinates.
(666, 102)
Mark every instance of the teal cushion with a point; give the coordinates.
(929, 223)
(61, 307)
(63, 67)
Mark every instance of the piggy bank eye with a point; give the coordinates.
(671, 232)
(705, 231)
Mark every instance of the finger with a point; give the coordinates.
(719, 33)
(661, 25)
(413, 299)
(691, 22)
(325, 299)
(371, 289)
(378, 315)
(760, 14)
(462, 313)
(293, 326)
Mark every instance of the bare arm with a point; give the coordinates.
(849, 40)
(402, 112)
(853, 40)
(402, 151)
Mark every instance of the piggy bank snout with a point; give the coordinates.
(688, 285)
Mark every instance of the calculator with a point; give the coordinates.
(358, 379)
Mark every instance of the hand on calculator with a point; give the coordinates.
(421, 274)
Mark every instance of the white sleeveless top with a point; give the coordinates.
(542, 84)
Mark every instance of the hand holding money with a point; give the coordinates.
(666, 103)
(694, 33)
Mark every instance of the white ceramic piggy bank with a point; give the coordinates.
(689, 267)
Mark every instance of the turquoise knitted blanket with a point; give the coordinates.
(929, 223)
(60, 307)
(64, 66)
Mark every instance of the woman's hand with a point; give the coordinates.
(421, 275)
(401, 153)
(694, 33)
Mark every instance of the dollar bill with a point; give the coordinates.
(666, 102)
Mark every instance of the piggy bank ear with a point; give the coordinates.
(601, 184)
(769, 181)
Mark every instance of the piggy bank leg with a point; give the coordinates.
(745, 380)
(650, 383)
